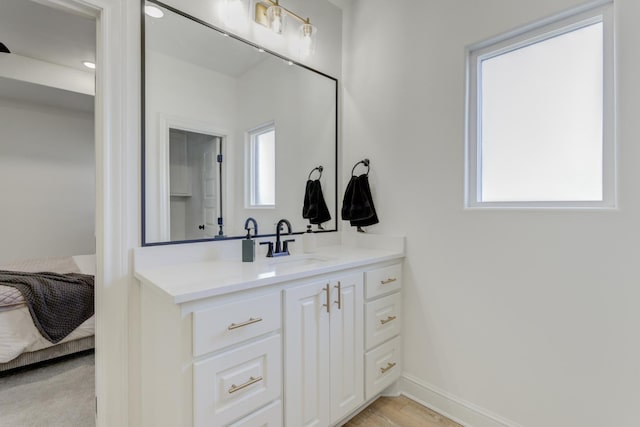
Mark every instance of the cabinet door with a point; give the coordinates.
(307, 361)
(346, 330)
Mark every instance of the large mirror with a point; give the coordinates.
(232, 132)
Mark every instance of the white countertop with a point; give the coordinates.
(190, 281)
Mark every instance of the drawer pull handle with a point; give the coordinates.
(327, 290)
(339, 302)
(251, 321)
(388, 319)
(389, 366)
(389, 280)
(251, 381)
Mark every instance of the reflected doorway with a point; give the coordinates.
(195, 185)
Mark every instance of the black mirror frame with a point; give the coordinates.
(143, 123)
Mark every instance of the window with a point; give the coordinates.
(540, 116)
(262, 167)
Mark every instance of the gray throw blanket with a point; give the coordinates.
(58, 303)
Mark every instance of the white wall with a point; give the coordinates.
(531, 315)
(47, 181)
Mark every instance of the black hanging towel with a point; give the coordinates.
(357, 205)
(315, 208)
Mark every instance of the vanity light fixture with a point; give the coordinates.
(153, 11)
(270, 14)
(89, 64)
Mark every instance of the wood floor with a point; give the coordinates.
(399, 412)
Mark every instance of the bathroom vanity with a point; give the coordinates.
(295, 340)
(305, 339)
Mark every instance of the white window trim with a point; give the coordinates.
(573, 19)
(249, 162)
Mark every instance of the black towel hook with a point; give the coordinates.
(365, 162)
(319, 169)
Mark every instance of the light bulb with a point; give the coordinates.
(275, 17)
(276, 25)
(305, 49)
(307, 40)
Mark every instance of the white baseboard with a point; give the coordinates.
(458, 410)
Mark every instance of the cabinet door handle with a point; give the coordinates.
(389, 366)
(251, 381)
(248, 322)
(339, 302)
(389, 280)
(388, 319)
(327, 290)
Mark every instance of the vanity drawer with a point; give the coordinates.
(383, 366)
(383, 280)
(229, 324)
(382, 319)
(269, 416)
(237, 382)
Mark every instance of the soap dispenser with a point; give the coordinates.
(308, 241)
(248, 244)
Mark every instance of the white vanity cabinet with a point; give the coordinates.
(323, 350)
(277, 343)
(383, 323)
(212, 362)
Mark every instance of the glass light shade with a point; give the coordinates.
(275, 17)
(307, 40)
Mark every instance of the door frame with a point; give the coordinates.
(117, 142)
(166, 122)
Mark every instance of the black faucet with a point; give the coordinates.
(248, 228)
(281, 247)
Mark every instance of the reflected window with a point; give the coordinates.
(262, 167)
